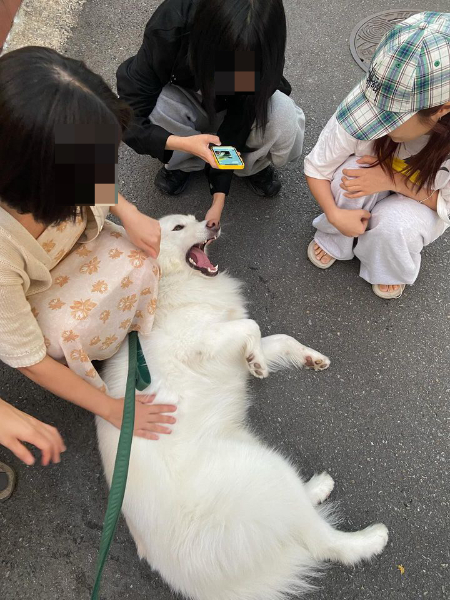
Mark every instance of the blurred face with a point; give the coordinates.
(416, 126)
(86, 164)
(236, 73)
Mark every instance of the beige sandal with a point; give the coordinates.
(315, 261)
(388, 295)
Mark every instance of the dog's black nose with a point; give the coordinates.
(213, 225)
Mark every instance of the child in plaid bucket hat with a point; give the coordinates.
(380, 169)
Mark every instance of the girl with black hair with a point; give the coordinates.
(72, 284)
(211, 72)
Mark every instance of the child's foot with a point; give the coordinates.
(319, 257)
(388, 292)
(321, 254)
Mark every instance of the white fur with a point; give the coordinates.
(219, 514)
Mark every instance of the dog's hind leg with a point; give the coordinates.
(325, 542)
(283, 351)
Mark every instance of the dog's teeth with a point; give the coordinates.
(192, 261)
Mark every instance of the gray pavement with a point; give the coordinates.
(377, 420)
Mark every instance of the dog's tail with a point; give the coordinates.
(291, 575)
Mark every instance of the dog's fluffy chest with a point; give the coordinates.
(191, 302)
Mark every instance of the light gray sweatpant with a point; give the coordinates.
(180, 111)
(398, 229)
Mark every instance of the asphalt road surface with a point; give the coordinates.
(377, 420)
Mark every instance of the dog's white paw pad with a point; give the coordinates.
(318, 362)
(257, 369)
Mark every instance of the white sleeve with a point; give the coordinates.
(333, 148)
(442, 183)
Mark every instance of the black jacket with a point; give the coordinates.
(163, 59)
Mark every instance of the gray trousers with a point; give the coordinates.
(180, 112)
(390, 249)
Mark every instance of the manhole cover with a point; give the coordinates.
(368, 33)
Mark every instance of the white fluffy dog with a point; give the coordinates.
(219, 514)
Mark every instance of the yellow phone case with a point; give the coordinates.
(233, 167)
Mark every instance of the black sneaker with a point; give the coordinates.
(7, 481)
(264, 183)
(171, 182)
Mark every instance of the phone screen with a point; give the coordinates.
(227, 156)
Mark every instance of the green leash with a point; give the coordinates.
(138, 379)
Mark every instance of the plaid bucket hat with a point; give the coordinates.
(410, 71)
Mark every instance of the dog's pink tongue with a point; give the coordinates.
(200, 258)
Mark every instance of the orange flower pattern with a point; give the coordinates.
(69, 336)
(137, 258)
(125, 324)
(151, 306)
(49, 245)
(115, 253)
(56, 304)
(105, 315)
(81, 309)
(100, 286)
(126, 282)
(91, 266)
(83, 251)
(108, 341)
(86, 313)
(127, 303)
(62, 280)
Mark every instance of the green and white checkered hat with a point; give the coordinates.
(410, 71)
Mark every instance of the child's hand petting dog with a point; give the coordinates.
(148, 417)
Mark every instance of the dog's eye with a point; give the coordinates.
(178, 227)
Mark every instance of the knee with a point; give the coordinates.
(286, 121)
(350, 163)
(390, 221)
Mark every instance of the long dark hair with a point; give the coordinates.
(428, 161)
(39, 90)
(247, 25)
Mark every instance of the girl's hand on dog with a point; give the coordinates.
(351, 223)
(17, 427)
(143, 231)
(215, 212)
(366, 181)
(149, 418)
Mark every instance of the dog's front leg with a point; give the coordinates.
(238, 337)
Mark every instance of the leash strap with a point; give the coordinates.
(138, 378)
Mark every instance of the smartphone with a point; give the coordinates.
(227, 157)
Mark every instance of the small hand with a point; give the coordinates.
(143, 231)
(351, 223)
(148, 416)
(17, 427)
(366, 180)
(215, 212)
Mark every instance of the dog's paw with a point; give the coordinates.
(257, 365)
(315, 360)
(319, 487)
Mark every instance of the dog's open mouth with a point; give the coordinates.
(197, 259)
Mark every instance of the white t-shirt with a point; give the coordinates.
(335, 146)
